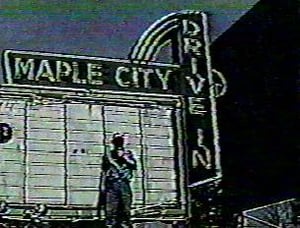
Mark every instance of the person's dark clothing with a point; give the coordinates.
(117, 188)
(125, 170)
(118, 202)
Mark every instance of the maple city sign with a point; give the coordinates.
(191, 75)
(35, 68)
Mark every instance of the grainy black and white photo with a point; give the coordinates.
(148, 114)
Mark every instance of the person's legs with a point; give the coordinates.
(112, 204)
(126, 201)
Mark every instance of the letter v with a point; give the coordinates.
(196, 86)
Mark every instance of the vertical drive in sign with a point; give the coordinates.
(186, 34)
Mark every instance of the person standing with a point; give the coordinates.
(118, 165)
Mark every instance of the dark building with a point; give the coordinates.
(258, 114)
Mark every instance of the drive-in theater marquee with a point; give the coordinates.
(191, 121)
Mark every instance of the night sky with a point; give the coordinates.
(106, 28)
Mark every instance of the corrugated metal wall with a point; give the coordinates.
(84, 124)
(12, 154)
(55, 156)
(45, 153)
(159, 154)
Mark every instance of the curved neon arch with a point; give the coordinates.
(156, 36)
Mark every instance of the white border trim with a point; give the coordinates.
(81, 57)
(150, 53)
(7, 67)
(271, 204)
(212, 98)
(17, 88)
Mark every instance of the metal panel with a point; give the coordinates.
(46, 124)
(138, 199)
(44, 169)
(158, 117)
(84, 182)
(161, 196)
(152, 130)
(82, 136)
(9, 179)
(81, 111)
(43, 180)
(82, 197)
(164, 162)
(11, 193)
(46, 195)
(113, 126)
(123, 120)
(65, 144)
(40, 146)
(45, 111)
(136, 183)
(166, 151)
(12, 166)
(46, 157)
(162, 184)
(159, 155)
(12, 153)
(81, 169)
(45, 136)
(161, 174)
(84, 153)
